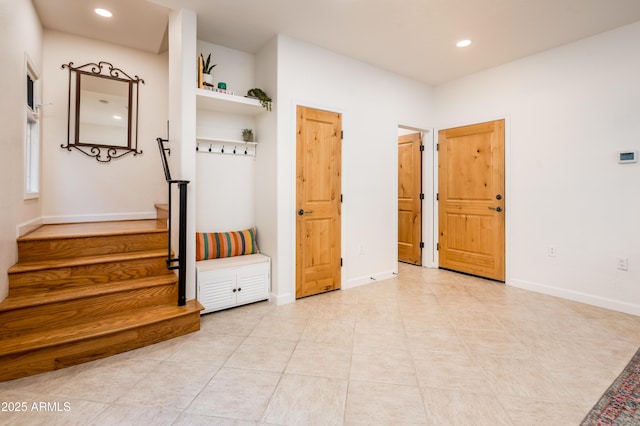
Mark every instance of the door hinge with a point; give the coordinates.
(421, 147)
(340, 261)
(422, 196)
(438, 196)
(421, 244)
(437, 147)
(341, 198)
(341, 134)
(438, 246)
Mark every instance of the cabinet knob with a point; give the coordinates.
(234, 290)
(239, 289)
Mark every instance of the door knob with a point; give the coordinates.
(498, 197)
(303, 212)
(498, 209)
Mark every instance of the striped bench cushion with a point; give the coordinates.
(212, 245)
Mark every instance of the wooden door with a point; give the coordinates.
(409, 198)
(471, 199)
(318, 198)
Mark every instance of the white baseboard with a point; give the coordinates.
(357, 282)
(98, 217)
(576, 296)
(283, 299)
(26, 227)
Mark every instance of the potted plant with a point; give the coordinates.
(259, 94)
(247, 135)
(207, 67)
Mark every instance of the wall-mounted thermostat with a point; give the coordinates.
(627, 156)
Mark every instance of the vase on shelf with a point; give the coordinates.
(247, 135)
(207, 79)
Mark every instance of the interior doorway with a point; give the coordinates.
(410, 196)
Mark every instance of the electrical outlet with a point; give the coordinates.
(623, 263)
(552, 251)
(362, 249)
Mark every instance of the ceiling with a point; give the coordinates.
(415, 38)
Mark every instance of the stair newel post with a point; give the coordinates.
(182, 245)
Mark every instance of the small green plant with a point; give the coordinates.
(247, 135)
(206, 64)
(259, 94)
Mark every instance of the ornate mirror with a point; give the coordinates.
(103, 111)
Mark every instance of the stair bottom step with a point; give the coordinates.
(109, 336)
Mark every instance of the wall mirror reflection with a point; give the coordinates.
(103, 111)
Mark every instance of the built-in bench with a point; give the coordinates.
(232, 281)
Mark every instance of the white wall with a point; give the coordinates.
(266, 161)
(20, 35)
(182, 113)
(569, 111)
(373, 103)
(225, 196)
(234, 67)
(77, 187)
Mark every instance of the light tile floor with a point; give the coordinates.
(429, 347)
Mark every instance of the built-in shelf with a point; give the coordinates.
(222, 102)
(218, 140)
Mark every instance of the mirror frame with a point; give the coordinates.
(101, 152)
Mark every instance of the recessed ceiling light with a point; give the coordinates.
(103, 12)
(463, 43)
(117, 117)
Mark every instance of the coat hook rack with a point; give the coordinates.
(213, 146)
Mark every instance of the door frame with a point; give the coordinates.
(429, 186)
(507, 183)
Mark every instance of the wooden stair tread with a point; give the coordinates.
(86, 260)
(92, 229)
(84, 291)
(38, 298)
(96, 327)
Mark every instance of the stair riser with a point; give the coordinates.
(101, 273)
(62, 314)
(60, 356)
(64, 248)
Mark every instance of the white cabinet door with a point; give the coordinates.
(253, 283)
(216, 289)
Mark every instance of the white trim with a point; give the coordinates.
(433, 261)
(357, 282)
(32, 153)
(98, 217)
(25, 227)
(576, 296)
(281, 299)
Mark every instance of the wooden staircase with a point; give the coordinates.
(81, 292)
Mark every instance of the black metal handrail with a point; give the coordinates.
(182, 228)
